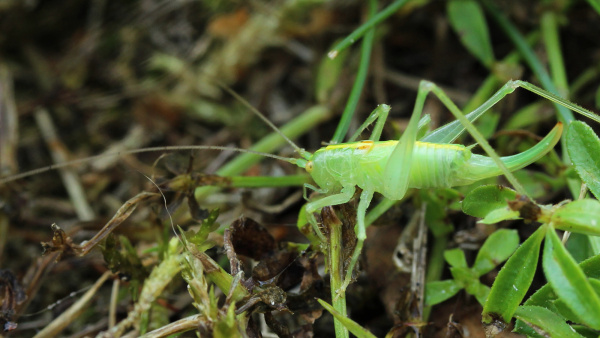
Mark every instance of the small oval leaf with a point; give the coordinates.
(438, 291)
(496, 249)
(581, 216)
(482, 200)
(583, 146)
(456, 258)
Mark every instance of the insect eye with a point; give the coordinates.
(309, 166)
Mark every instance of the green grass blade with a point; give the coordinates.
(595, 5)
(298, 126)
(532, 60)
(569, 281)
(448, 133)
(555, 58)
(360, 31)
(351, 325)
(268, 181)
(468, 21)
(328, 76)
(359, 82)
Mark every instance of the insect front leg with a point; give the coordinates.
(342, 197)
(380, 115)
(361, 234)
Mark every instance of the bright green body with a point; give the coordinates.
(434, 165)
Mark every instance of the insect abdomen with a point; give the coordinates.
(436, 165)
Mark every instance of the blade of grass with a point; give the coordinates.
(555, 58)
(529, 56)
(360, 31)
(359, 82)
(298, 126)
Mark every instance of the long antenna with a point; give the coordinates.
(296, 161)
(256, 112)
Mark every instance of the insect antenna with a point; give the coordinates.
(297, 161)
(305, 154)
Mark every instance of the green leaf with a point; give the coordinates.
(328, 75)
(496, 249)
(464, 276)
(595, 4)
(543, 319)
(584, 150)
(468, 21)
(438, 291)
(348, 323)
(478, 290)
(545, 296)
(482, 200)
(456, 258)
(569, 282)
(579, 247)
(513, 280)
(499, 215)
(564, 310)
(581, 216)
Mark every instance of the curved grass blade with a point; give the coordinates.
(359, 81)
(529, 56)
(351, 325)
(360, 31)
(466, 17)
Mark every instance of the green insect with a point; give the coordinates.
(392, 167)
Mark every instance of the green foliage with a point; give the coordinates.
(328, 75)
(514, 280)
(549, 323)
(468, 21)
(348, 323)
(583, 146)
(570, 283)
(496, 249)
(200, 238)
(490, 203)
(122, 259)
